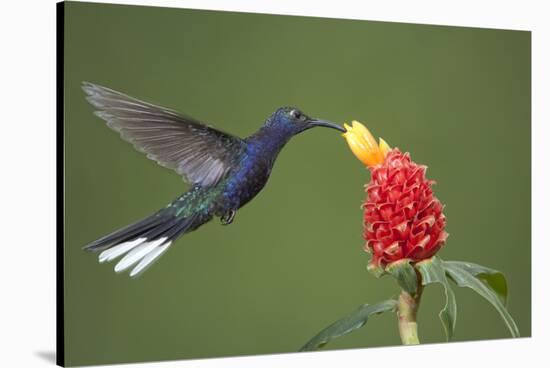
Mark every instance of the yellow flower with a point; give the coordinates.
(364, 146)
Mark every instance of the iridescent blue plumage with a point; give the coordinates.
(225, 171)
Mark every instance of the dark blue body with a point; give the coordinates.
(251, 173)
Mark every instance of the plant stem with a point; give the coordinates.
(407, 307)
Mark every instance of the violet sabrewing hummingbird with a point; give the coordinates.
(225, 172)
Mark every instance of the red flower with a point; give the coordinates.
(402, 218)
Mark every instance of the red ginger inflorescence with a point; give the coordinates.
(402, 217)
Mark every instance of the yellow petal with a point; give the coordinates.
(364, 133)
(358, 149)
(364, 146)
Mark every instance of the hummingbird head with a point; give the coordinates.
(292, 121)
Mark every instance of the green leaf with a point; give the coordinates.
(493, 278)
(432, 272)
(405, 275)
(464, 278)
(353, 321)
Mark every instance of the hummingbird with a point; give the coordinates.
(224, 171)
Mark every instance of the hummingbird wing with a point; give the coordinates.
(200, 153)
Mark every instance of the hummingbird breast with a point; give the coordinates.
(245, 181)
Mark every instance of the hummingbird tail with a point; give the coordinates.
(144, 241)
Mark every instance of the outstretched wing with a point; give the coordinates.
(201, 154)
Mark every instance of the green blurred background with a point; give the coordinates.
(292, 262)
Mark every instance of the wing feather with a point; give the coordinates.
(201, 154)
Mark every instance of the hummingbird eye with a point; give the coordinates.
(295, 114)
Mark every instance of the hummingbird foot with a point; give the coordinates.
(228, 217)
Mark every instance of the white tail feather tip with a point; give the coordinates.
(149, 259)
(137, 253)
(119, 249)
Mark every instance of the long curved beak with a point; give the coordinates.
(323, 123)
